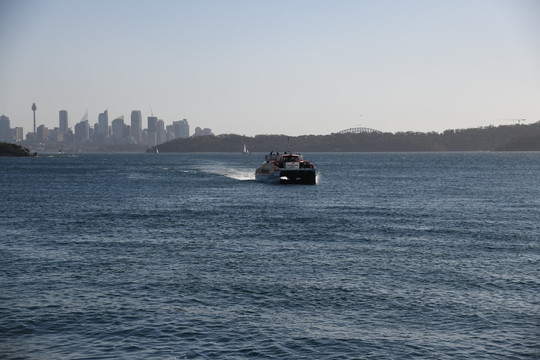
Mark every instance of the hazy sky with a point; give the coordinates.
(273, 67)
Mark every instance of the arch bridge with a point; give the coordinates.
(359, 130)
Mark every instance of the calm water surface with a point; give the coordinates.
(185, 256)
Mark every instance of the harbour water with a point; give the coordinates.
(174, 256)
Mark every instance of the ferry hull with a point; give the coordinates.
(303, 177)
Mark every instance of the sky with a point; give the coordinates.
(294, 67)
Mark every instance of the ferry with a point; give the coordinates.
(286, 168)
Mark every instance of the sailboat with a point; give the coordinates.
(245, 151)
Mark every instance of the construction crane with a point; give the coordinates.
(519, 121)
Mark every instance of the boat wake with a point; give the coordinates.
(237, 174)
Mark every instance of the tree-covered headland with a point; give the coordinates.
(8, 149)
(519, 137)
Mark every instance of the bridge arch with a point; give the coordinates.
(359, 130)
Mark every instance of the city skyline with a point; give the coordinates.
(303, 67)
(64, 120)
(85, 135)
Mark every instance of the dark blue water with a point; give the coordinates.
(171, 256)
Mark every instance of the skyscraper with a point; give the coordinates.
(160, 130)
(18, 134)
(42, 133)
(136, 124)
(63, 125)
(152, 124)
(160, 125)
(118, 128)
(181, 128)
(5, 130)
(82, 131)
(103, 124)
(152, 137)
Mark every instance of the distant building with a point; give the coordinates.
(118, 128)
(152, 131)
(30, 137)
(169, 133)
(161, 133)
(5, 130)
(181, 129)
(82, 131)
(42, 133)
(136, 125)
(151, 139)
(127, 134)
(63, 121)
(144, 136)
(201, 132)
(92, 131)
(103, 124)
(152, 123)
(18, 134)
(68, 136)
(55, 135)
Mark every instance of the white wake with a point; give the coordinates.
(237, 174)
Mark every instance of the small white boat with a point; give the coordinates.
(245, 150)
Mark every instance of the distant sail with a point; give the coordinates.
(245, 151)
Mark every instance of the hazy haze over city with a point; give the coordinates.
(273, 67)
